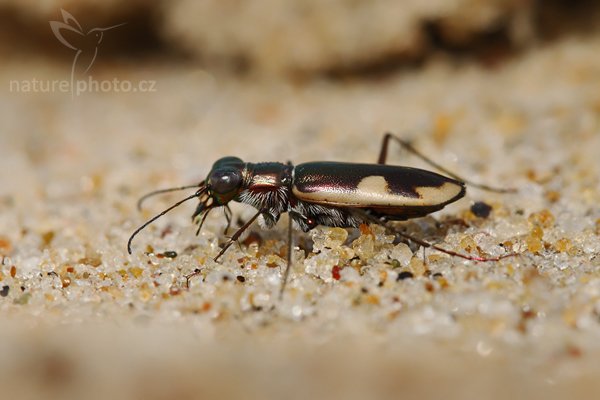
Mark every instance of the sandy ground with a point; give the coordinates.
(80, 318)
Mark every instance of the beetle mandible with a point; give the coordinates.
(333, 194)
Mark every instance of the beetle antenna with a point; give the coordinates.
(409, 147)
(151, 220)
(160, 191)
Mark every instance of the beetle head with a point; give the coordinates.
(223, 184)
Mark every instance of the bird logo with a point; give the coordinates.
(85, 44)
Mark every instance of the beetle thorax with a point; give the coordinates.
(267, 187)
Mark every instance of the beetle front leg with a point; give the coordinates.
(231, 240)
(238, 233)
(228, 215)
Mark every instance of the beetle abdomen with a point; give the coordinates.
(374, 186)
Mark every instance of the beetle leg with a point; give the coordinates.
(196, 272)
(238, 233)
(228, 215)
(453, 253)
(406, 145)
(290, 247)
(409, 147)
(384, 148)
(231, 240)
(368, 217)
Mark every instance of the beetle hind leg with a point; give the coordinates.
(426, 244)
(406, 145)
(367, 217)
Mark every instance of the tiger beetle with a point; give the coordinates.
(334, 194)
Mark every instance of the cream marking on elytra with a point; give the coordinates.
(374, 190)
(438, 195)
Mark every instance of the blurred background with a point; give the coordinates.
(102, 101)
(301, 40)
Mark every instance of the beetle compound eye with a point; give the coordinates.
(225, 180)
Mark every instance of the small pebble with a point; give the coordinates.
(170, 254)
(543, 219)
(136, 271)
(404, 275)
(328, 238)
(481, 209)
(401, 255)
(252, 238)
(335, 273)
(23, 299)
(5, 245)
